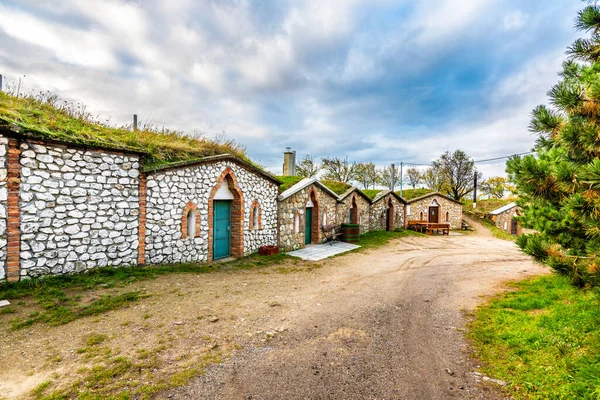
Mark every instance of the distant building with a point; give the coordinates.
(504, 218)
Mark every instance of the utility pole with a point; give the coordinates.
(393, 181)
(401, 176)
(0, 82)
(475, 190)
(135, 122)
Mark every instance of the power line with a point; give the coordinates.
(477, 161)
(500, 158)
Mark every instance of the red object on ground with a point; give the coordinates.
(268, 250)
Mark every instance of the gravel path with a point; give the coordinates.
(384, 324)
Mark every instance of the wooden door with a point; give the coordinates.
(434, 215)
(514, 227)
(221, 229)
(308, 226)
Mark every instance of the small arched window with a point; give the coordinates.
(191, 223)
(296, 222)
(255, 216)
(447, 216)
(324, 217)
(421, 216)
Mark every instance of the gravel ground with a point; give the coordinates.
(383, 324)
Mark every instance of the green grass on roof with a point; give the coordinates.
(408, 194)
(371, 193)
(46, 116)
(484, 207)
(335, 186)
(288, 182)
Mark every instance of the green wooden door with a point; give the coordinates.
(221, 229)
(308, 226)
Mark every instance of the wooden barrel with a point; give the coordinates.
(351, 233)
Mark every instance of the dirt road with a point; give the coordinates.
(380, 325)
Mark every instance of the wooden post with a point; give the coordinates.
(135, 127)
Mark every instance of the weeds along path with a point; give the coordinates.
(382, 323)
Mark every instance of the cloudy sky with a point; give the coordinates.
(374, 80)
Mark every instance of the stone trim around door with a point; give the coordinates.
(142, 220)
(13, 222)
(237, 214)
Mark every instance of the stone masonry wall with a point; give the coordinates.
(379, 213)
(79, 209)
(290, 240)
(363, 212)
(170, 191)
(3, 205)
(453, 209)
(504, 220)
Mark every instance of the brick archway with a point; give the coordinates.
(354, 209)
(315, 231)
(237, 214)
(389, 226)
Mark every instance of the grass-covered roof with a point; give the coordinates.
(288, 181)
(338, 188)
(45, 116)
(408, 194)
(371, 193)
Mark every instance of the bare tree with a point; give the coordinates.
(390, 176)
(366, 175)
(339, 170)
(458, 170)
(413, 177)
(308, 167)
(434, 180)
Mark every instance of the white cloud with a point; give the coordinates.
(89, 49)
(514, 20)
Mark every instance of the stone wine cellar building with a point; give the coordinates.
(69, 208)
(435, 208)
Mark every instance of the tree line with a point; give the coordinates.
(452, 174)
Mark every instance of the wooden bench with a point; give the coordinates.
(417, 225)
(431, 227)
(331, 233)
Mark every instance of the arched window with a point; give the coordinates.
(190, 221)
(324, 217)
(296, 222)
(421, 216)
(255, 216)
(447, 216)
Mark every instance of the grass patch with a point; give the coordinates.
(484, 207)
(45, 115)
(371, 193)
(338, 188)
(543, 338)
(58, 297)
(497, 232)
(288, 181)
(408, 194)
(62, 310)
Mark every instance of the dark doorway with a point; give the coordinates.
(434, 214)
(514, 227)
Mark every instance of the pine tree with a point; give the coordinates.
(559, 186)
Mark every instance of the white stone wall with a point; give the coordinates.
(169, 191)
(79, 209)
(3, 205)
